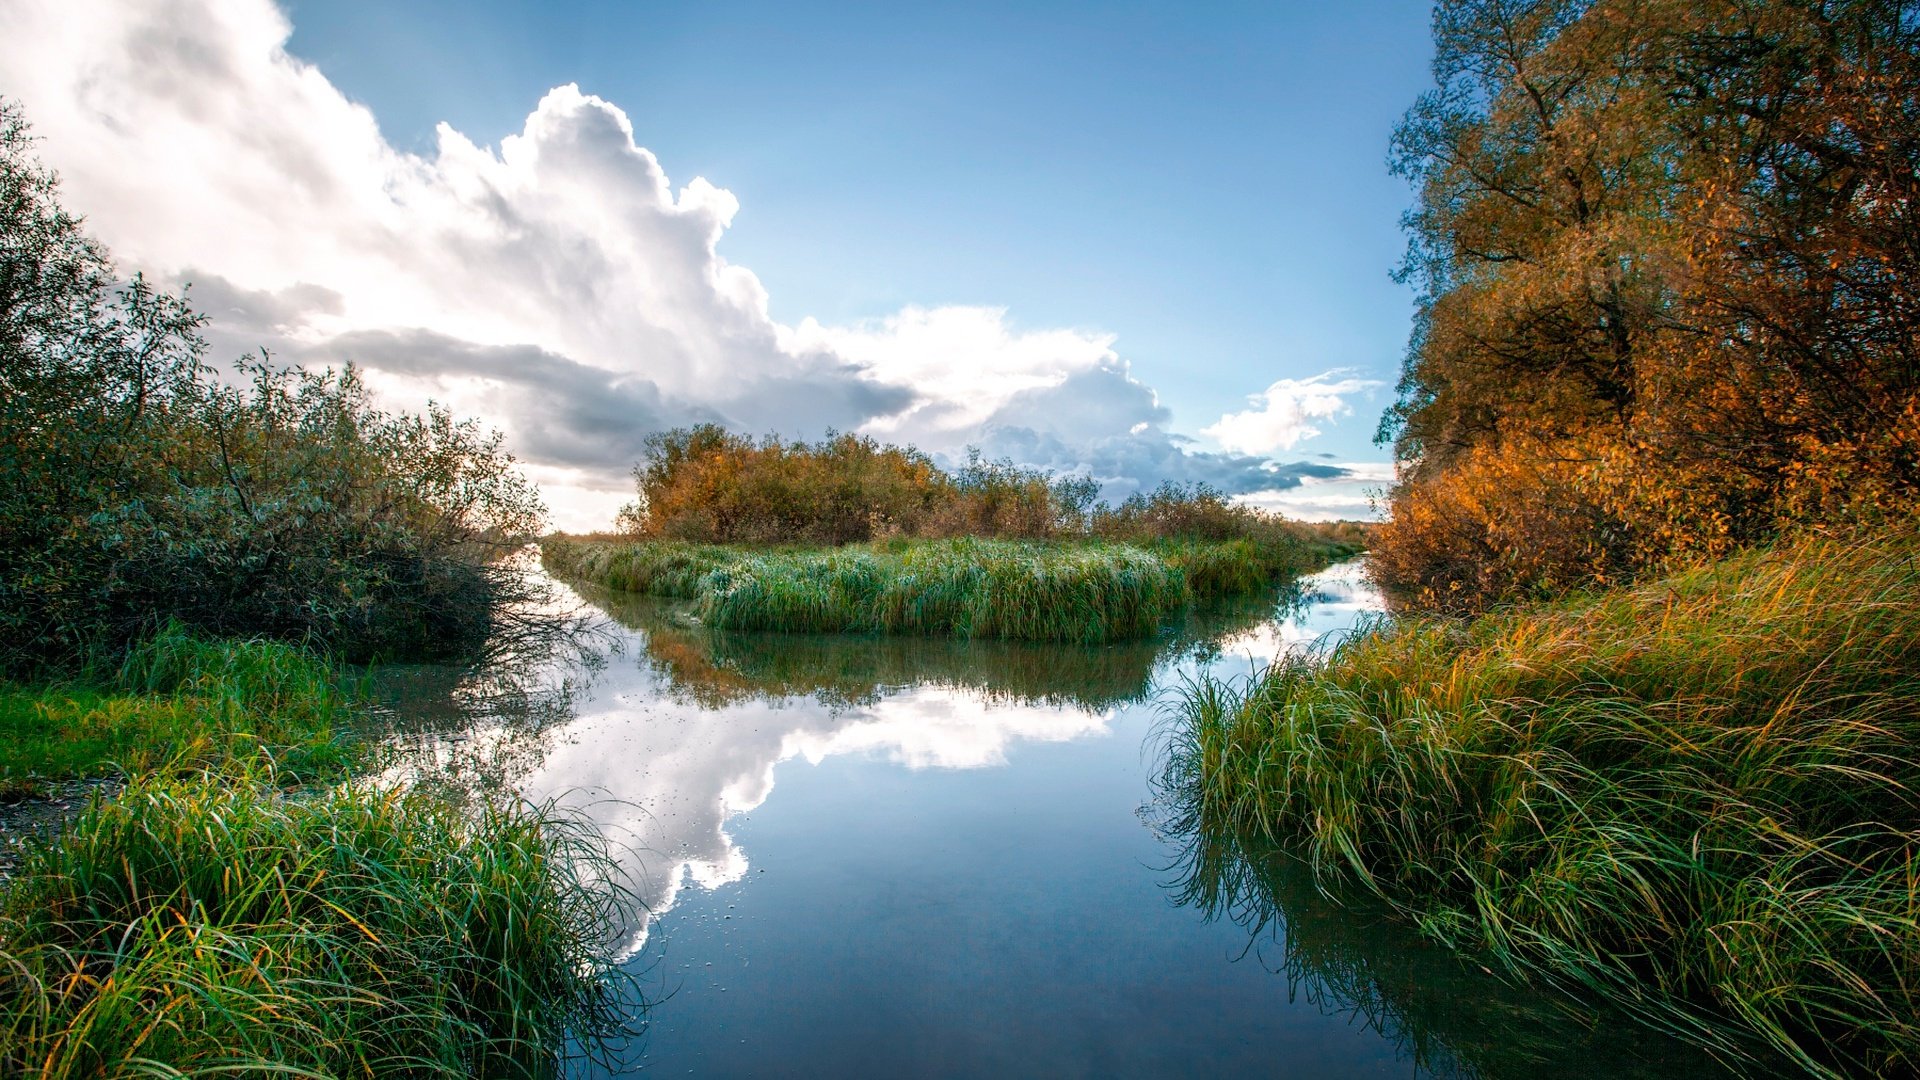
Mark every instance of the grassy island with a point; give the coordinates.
(1019, 590)
(850, 536)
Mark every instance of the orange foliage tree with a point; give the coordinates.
(1667, 268)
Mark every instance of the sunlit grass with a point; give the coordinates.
(227, 912)
(1697, 795)
(211, 924)
(1085, 591)
(177, 701)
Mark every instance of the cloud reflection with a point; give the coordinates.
(685, 727)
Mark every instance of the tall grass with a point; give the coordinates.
(1085, 591)
(211, 925)
(965, 588)
(659, 568)
(1700, 795)
(179, 701)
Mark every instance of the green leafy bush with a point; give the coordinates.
(137, 487)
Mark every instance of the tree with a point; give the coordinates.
(135, 487)
(1666, 266)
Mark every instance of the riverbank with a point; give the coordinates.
(1695, 795)
(230, 899)
(1085, 591)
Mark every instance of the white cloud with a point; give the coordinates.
(1348, 496)
(1285, 412)
(558, 285)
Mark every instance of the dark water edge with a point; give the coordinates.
(900, 856)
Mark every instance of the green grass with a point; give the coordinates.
(209, 924)
(178, 701)
(662, 568)
(226, 913)
(1697, 796)
(714, 668)
(1084, 591)
(984, 589)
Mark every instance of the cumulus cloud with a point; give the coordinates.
(559, 284)
(1286, 412)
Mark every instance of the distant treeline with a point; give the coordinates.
(708, 485)
(1670, 288)
(137, 488)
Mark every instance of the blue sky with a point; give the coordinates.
(1139, 242)
(1206, 181)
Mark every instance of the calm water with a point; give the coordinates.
(908, 857)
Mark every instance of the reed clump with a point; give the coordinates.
(965, 588)
(664, 568)
(1086, 591)
(1698, 795)
(181, 702)
(210, 924)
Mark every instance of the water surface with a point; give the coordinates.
(896, 856)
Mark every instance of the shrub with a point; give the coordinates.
(1503, 524)
(135, 487)
(706, 485)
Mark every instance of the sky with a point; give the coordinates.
(1138, 242)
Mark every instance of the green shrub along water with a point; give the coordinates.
(208, 924)
(1084, 591)
(1699, 795)
(138, 486)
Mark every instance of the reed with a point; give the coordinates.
(183, 702)
(1696, 795)
(1084, 591)
(210, 924)
(658, 568)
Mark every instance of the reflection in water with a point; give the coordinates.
(712, 668)
(1449, 1017)
(682, 728)
(675, 729)
(1323, 607)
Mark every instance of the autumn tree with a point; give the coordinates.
(1666, 260)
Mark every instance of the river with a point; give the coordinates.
(893, 857)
